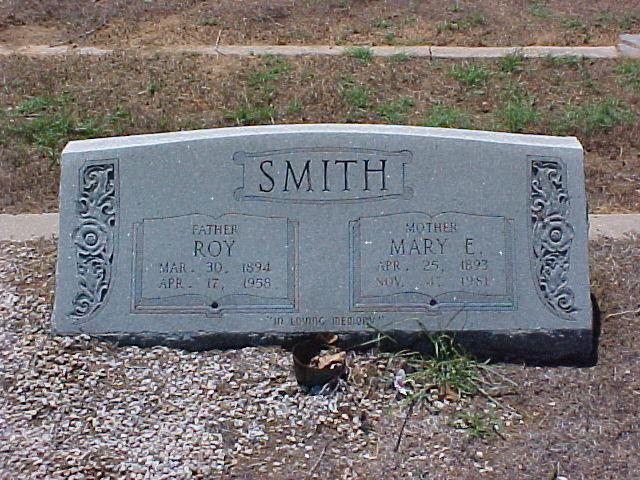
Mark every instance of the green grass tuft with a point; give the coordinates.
(33, 105)
(252, 114)
(538, 8)
(630, 71)
(592, 118)
(448, 369)
(517, 112)
(477, 424)
(446, 372)
(356, 96)
(209, 22)
(573, 23)
(629, 21)
(262, 81)
(446, 117)
(269, 72)
(383, 23)
(294, 106)
(364, 54)
(511, 62)
(152, 87)
(472, 75)
(390, 38)
(604, 16)
(48, 123)
(563, 60)
(400, 57)
(396, 111)
(464, 23)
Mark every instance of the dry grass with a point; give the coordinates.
(128, 94)
(381, 22)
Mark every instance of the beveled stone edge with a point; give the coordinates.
(166, 138)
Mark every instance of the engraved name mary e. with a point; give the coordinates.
(417, 261)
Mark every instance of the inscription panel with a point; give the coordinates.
(204, 264)
(415, 261)
(323, 175)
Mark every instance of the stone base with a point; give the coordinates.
(577, 347)
(551, 348)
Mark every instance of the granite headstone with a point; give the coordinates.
(258, 235)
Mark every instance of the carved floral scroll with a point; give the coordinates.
(552, 235)
(95, 236)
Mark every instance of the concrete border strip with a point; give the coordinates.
(420, 51)
(528, 52)
(23, 227)
(29, 226)
(46, 51)
(629, 45)
(615, 226)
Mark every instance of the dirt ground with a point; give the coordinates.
(46, 102)
(80, 408)
(376, 22)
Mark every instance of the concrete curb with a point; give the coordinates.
(23, 227)
(46, 50)
(629, 45)
(422, 51)
(417, 51)
(616, 225)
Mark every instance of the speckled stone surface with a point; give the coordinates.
(244, 236)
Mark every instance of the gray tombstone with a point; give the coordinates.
(256, 235)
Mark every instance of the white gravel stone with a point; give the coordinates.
(74, 407)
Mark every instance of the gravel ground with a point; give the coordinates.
(74, 407)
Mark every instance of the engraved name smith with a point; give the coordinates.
(319, 175)
(312, 174)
